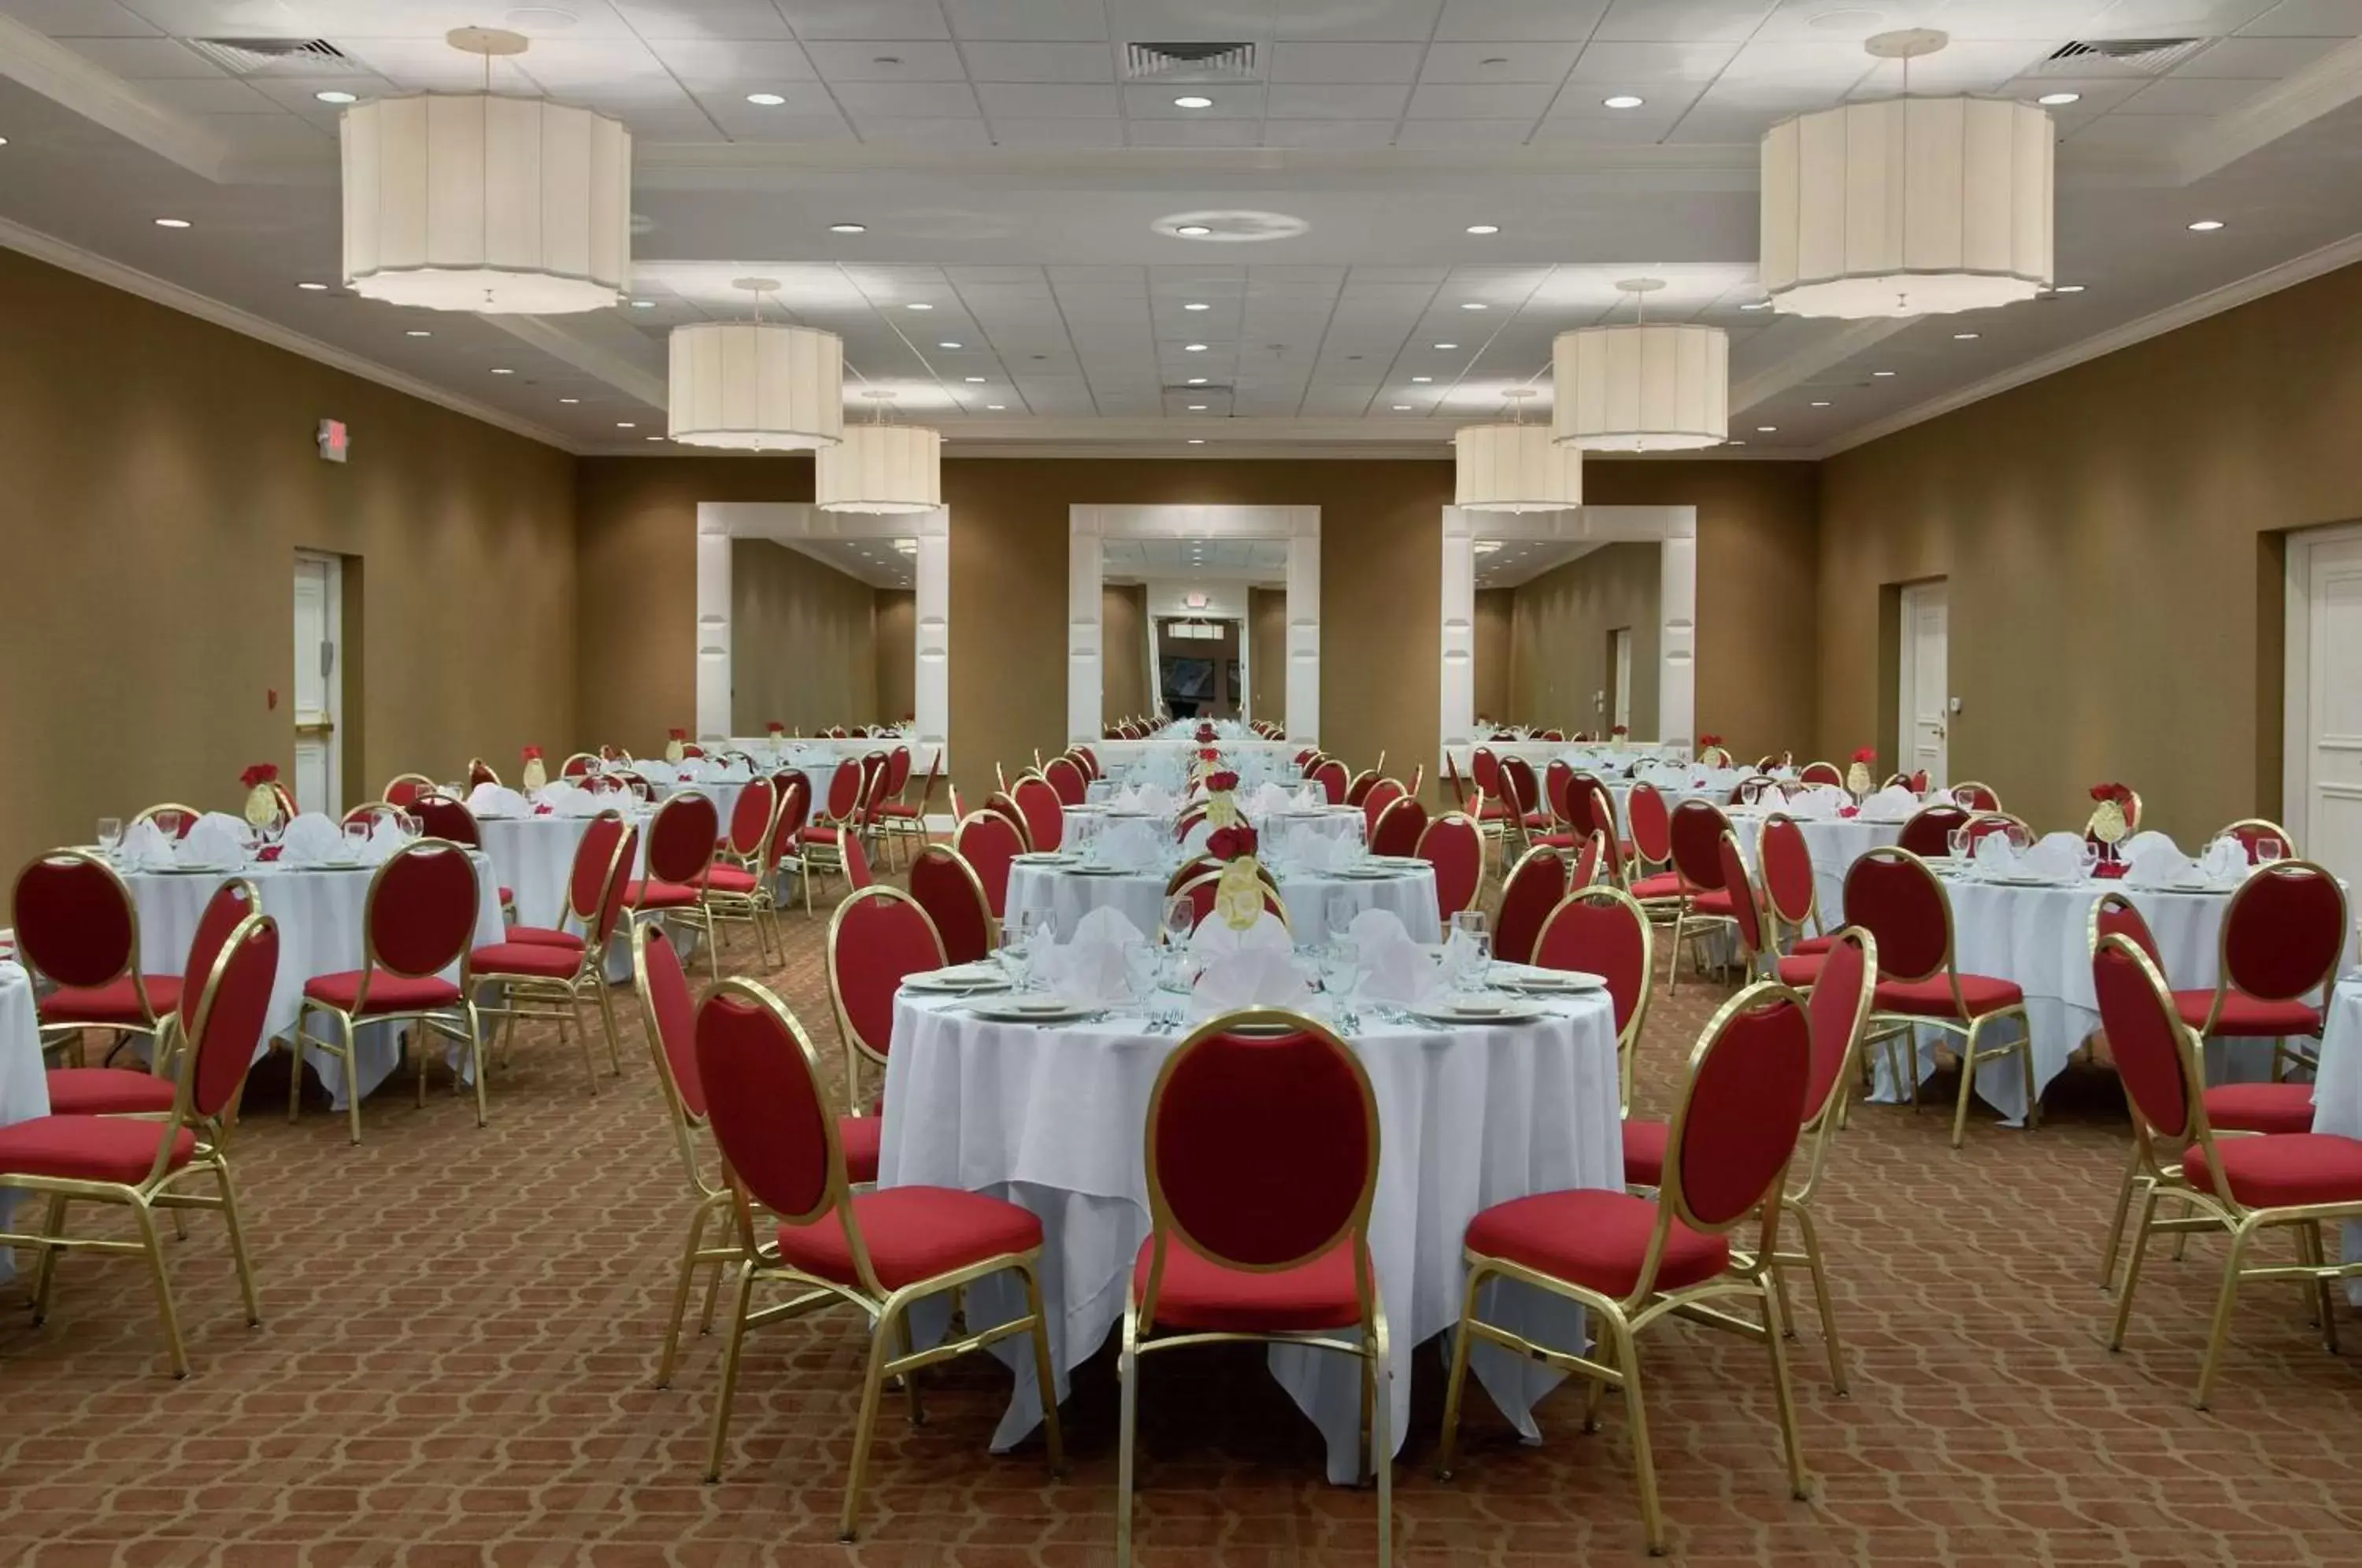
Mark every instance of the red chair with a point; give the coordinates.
(1746, 910)
(945, 886)
(881, 1251)
(1535, 885)
(1001, 803)
(78, 930)
(1827, 773)
(1455, 847)
(1199, 882)
(2255, 831)
(418, 922)
(1975, 797)
(1362, 783)
(405, 788)
(172, 822)
(1065, 776)
(905, 819)
(794, 791)
(548, 979)
(1791, 895)
(1634, 1261)
(1558, 830)
(1400, 828)
(1703, 906)
(857, 864)
(133, 1091)
(1603, 931)
(579, 766)
(1261, 1147)
(1891, 893)
(1840, 1007)
(1522, 793)
(1331, 778)
(990, 845)
(1593, 865)
(141, 1163)
(1984, 824)
(1929, 834)
(586, 884)
(1383, 792)
(1652, 826)
(876, 937)
(2238, 1186)
(480, 772)
(2283, 937)
(1044, 812)
(440, 816)
(1090, 759)
(1484, 771)
(737, 886)
(816, 846)
(680, 856)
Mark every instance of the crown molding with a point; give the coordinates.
(99, 96)
(188, 302)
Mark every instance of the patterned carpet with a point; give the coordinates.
(460, 1328)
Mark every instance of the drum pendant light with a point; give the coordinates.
(880, 468)
(1515, 467)
(755, 385)
(1642, 386)
(482, 202)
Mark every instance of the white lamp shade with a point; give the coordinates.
(756, 386)
(880, 468)
(1514, 468)
(1909, 206)
(1647, 387)
(482, 203)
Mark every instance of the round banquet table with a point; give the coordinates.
(1835, 844)
(2040, 938)
(23, 1086)
(1052, 1118)
(534, 857)
(1069, 895)
(1326, 822)
(2337, 1089)
(723, 793)
(319, 913)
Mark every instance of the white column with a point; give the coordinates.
(713, 665)
(1085, 670)
(931, 701)
(1677, 636)
(1458, 716)
(1303, 716)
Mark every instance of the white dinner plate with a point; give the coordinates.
(1367, 873)
(1100, 871)
(2023, 882)
(959, 980)
(1399, 862)
(1558, 982)
(177, 869)
(1044, 857)
(1506, 1011)
(1032, 1009)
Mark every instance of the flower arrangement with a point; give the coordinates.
(2111, 818)
(1209, 754)
(674, 743)
(2115, 793)
(1708, 742)
(1221, 783)
(1206, 734)
(774, 729)
(1858, 780)
(535, 775)
(262, 799)
(259, 774)
(531, 754)
(1619, 729)
(1237, 842)
(1866, 756)
(1238, 895)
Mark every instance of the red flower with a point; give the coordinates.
(2110, 868)
(775, 727)
(2116, 792)
(533, 754)
(1221, 782)
(1849, 811)
(260, 773)
(1232, 843)
(677, 734)
(1205, 735)
(268, 852)
(1209, 754)
(1867, 754)
(1709, 740)
(1619, 730)
(545, 811)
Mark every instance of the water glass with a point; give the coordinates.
(1180, 918)
(1474, 970)
(1343, 908)
(2090, 858)
(1958, 839)
(356, 836)
(2267, 849)
(1340, 967)
(1468, 922)
(408, 824)
(110, 835)
(2020, 839)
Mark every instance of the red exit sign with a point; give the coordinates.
(335, 440)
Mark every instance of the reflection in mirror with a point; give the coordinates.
(822, 633)
(1195, 628)
(1566, 637)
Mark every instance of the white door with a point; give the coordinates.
(1926, 684)
(2323, 774)
(319, 684)
(1619, 651)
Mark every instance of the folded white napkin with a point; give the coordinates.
(1396, 970)
(1994, 856)
(2154, 860)
(385, 837)
(1891, 804)
(1145, 800)
(1268, 801)
(1247, 976)
(2054, 858)
(1214, 936)
(566, 800)
(1096, 966)
(2224, 862)
(1309, 850)
(498, 801)
(2146, 842)
(1128, 846)
(1817, 803)
(310, 840)
(144, 848)
(217, 840)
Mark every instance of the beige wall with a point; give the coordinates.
(1123, 651)
(2107, 535)
(1493, 658)
(161, 473)
(1559, 636)
(1268, 652)
(804, 642)
(898, 654)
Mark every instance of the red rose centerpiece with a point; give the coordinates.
(1222, 811)
(675, 743)
(262, 799)
(1238, 895)
(1205, 735)
(1857, 772)
(535, 775)
(1619, 731)
(2112, 819)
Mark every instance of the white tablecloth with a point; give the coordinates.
(1070, 895)
(1835, 845)
(2337, 1090)
(2041, 937)
(532, 857)
(24, 1088)
(319, 914)
(1051, 1119)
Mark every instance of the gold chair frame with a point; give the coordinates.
(538, 996)
(70, 1032)
(697, 914)
(711, 1199)
(1688, 925)
(755, 907)
(1779, 925)
(975, 886)
(914, 826)
(158, 809)
(1477, 896)
(819, 856)
(2282, 1051)
(1272, 903)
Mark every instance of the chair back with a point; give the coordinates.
(578, 765)
(1785, 859)
(1651, 825)
(371, 813)
(927, 785)
(2114, 914)
(1331, 778)
(2253, 830)
(1974, 797)
(1535, 886)
(681, 839)
(1984, 824)
(481, 772)
(1261, 1147)
(947, 887)
(1890, 893)
(897, 772)
(768, 1112)
(1557, 791)
(1358, 789)
(693, 752)
(845, 790)
(999, 803)
(440, 816)
(1065, 776)
(2285, 932)
(1929, 831)
(1399, 827)
(76, 924)
(1383, 792)
(1745, 913)
(669, 1010)
(405, 788)
(227, 1028)
(420, 918)
(1822, 773)
(1043, 810)
(876, 937)
(875, 765)
(1199, 885)
(1455, 845)
(1697, 837)
(856, 861)
(1522, 790)
(610, 878)
(1601, 930)
(1742, 1109)
(631, 783)
(173, 822)
(1592, 865)
(2154, 1054)
(750, 818)
(795, 810)
(1840, 1008)
(1089, 758)
(990, 845)
(232, 905)
(1484, 770)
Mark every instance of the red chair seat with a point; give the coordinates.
(1495, 813)
(2284, 1172)
(1598, 1240)
(387, 992)
(1663, 885)
(1932, 998)
(87, 1148)
(1644, 1152)
(1196, 1293)
(107, 1091)
(2245, 1017)
(1554, 839)
(1538, 819)
(1714, 902)
(115, 1002)
(858, 1137)
(658, 896)
(1805, 946)
(536, 960)
(731, 879)
(543, 936)
(913, 1234)
(2260, 1108)
(818, 834)
(1802, 972)
(897, 808)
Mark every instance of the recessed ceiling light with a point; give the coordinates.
(2067, 289)
(950, 344)
(1194, 231)
(333, 95)
(1197, 381)
(917, 305)
(1196, 408)
(183, 223)
(995, 407)
(973, 381)
(1472, 304)
(313, 288)
(1765, 429)
(1622, 101)
(1193, 100)
(652, 437)
(1484, 228)
(849, 228)
(643, 304)
(1757, 304)
(1196, 440)
(1965, 336)
(2054, 100)
(1735, 441)
(1196, 304)
(625, 424)
(2203, 226)
(1417, 380)
(502, 370)
(570, 400)
(418, 332)
(1402, 408)
(1447, 346)
(4, 141)
(1820, 402)
(768, 100)
(1882, 373)
(1193, 347)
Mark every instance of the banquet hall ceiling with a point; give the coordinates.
(1014, 279)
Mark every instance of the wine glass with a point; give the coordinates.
(1180, 918)
(1958, 839)
(1341, 911)
(1474, 970)
(2090, 858)
(2267, 848)
(110, 835)
(2020, 839)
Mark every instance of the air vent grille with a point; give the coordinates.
(1189, 62)
(2119, 57)
(285, 57)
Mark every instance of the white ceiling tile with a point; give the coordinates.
(916, 100)
(703, 19)
(2138, 133)
(2194, 95)
(741, 123)
(1635, 128)
(2308, 18)
(2098, 95)
(2270, 57)
(569, 64)
(416, 64)
(1465, 133)
(1376, 101)
(1405, 19)
(261, 136)
(144, 60)
(1488, 64)
(894, 130)
(888, 19)
(1709, 125)
(1046, 100)
(1328, 133)
(1802, 72)
(730, 98)
(1830, 21)
(1565, 21)
(1028, 19)
(1701, 21)
(718, 61)
(1144, 102)
(1196, 133)
(1344, 62)
(2162, 18)
(1073, 131)
(2054, 20)
(887, 61)
(80, 19)
(1518, 101)
(1962, 67)
(225, 95)
(1039, 61)
(1643, 65)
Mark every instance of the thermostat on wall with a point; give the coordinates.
(335, 440)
